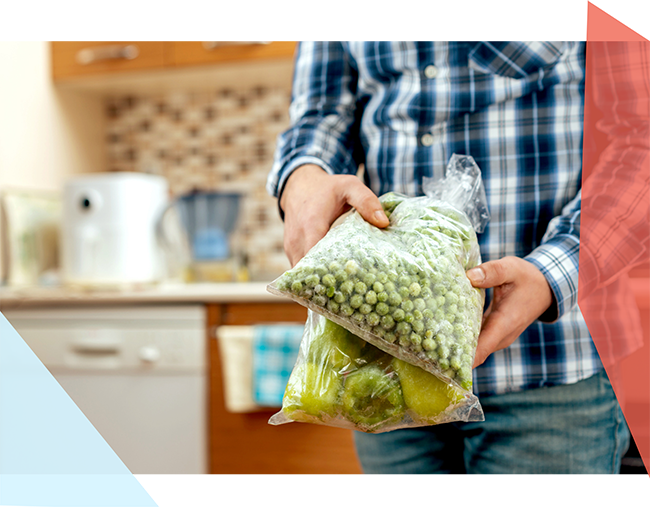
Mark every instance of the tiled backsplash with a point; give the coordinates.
(222, 140)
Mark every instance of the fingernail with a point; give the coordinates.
(380, 216)
(476, 275)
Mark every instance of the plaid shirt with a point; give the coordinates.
(403, 108)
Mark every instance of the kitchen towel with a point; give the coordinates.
(275, 349)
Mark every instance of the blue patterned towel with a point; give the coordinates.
(275, 349)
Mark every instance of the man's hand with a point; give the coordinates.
(312, 201)
(521, 295)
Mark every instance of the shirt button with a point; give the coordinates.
(431, 71)
(427, 139)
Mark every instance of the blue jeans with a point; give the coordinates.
(569, 429)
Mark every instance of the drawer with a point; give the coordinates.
(197, 53)
(74, 59)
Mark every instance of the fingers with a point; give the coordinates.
(496, 329)
(361, 198)
(493, 273)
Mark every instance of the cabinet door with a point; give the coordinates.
(198, 53)
(244, 443)
(74, 59)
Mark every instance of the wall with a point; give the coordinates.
(217, 140)
(45, 134)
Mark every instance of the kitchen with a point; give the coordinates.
(143, 352)
(204, 117)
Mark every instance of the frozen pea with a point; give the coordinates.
(408, 317)
(320, 271)
(418, 326)
(378, 287)
(329, 280)
(387, 322)
(346, 310)
(429, 344)
(373, 319)
(382, 308)
(356, 301)
(358, 317)
(347, 287)
(369, 279)
(365, 308)
(390, 337)
(403, 328)
(433, 355)
(382, 296)
(407, 305)
(319, 300)
(404, 340)
(339, 297)
(312, 280)
(451, 298)
(382, 278)
(360, 288)
(419, 304)
(351, 267)
(404, 280)
(296, 287)
(330, 292)
(371, 297)
(438, 315)
(335, 266)
(416, 339)
(415, 289)
(341, 276)
(453, 308)
(403, 292)
(394, 298)
(333, 306)
(389, 287)
(399, 315)
(417, 315)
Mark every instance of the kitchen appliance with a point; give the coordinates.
(109, 229)
(207, 221)
(138, 373)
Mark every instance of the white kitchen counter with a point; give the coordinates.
(168, 293)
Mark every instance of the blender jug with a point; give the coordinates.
(197, 232)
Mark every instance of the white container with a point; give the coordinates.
(109, 229)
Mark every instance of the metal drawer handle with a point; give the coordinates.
(219, 44)
(87, 56)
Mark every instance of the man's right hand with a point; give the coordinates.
(312, 201)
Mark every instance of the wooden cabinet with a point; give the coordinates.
(75, 59)
(199, 53)
(72, 60)
(244, 443)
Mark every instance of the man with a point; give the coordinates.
(402, 109)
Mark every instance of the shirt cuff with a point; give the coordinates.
(288, 171)
(557, 259)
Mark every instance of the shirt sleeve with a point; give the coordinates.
(616, 208)
(614, 201)
(323, 115)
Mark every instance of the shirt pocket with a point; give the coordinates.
(514, 59)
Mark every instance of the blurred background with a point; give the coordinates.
(137, 240)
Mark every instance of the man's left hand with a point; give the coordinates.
(521, 295)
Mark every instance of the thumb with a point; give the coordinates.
(491, 274)
(361, 198)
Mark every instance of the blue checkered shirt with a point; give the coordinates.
(403, 108)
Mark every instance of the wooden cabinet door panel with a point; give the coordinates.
(73, 59)
(244, 443)
(196, 53)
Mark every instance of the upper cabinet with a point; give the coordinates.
(72, 60)
(198, 53)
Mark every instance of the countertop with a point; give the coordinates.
(254, 292)
(164, 293)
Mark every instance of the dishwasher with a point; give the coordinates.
(138, 373)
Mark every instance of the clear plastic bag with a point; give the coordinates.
(403, 289)
(343, 381)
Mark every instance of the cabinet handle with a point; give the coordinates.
(219, 44)
(87, 56)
